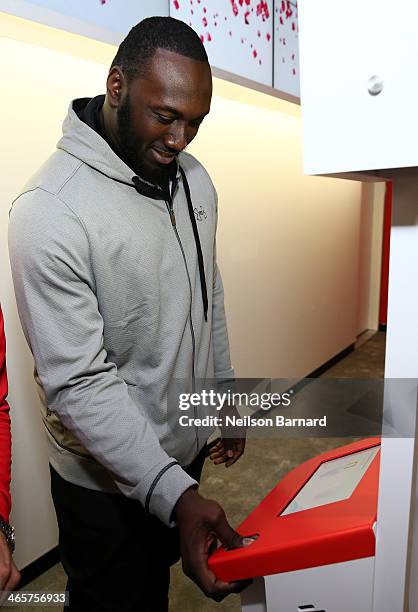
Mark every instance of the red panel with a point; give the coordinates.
(332, 533)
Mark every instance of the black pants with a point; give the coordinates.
(117, 557)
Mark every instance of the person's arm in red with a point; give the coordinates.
(9, 574)
(5, 438)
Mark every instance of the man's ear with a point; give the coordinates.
(114, 86)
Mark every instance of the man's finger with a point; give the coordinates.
(218, 453)
(220, 460)
(227, 535)
(213, 445)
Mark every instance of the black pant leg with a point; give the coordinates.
(108, 549)
(115, 555)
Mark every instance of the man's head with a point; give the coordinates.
(159, 90)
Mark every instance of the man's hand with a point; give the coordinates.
(229, 448)
(201, 521)
(226, 450)
(9, 574)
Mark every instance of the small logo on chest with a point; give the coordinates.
(200, 213)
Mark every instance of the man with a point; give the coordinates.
(119, 296)
(9, 574)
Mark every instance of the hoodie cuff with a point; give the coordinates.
(169, 488)
(160, 490)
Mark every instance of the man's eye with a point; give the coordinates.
(163, 119)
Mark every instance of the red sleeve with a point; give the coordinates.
(5, 438)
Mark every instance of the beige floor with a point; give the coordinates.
(242, 487)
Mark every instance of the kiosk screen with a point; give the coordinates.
(333, 481)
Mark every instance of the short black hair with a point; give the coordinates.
(140, 45)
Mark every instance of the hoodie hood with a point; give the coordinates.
(84, 143)
(83, 139)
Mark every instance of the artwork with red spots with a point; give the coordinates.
(286, 47)
(237, 34)
(106, 20)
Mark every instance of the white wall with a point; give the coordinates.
(288, 244)
(370, 255)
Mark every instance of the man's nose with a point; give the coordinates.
(176, 139)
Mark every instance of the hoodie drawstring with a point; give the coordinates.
(198, 245)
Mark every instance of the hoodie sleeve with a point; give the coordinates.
(5, 439)
(223, 369)
(59, 311)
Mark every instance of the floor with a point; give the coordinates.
(242, 487)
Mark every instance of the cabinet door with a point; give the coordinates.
(347, 48)
(286, 47)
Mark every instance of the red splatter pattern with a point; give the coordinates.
(246, 10)
(287, 23)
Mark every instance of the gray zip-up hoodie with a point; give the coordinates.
(109, 296)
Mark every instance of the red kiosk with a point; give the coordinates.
(311, 541)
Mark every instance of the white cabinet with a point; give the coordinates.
(349, 51)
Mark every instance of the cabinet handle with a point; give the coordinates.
(375, 85)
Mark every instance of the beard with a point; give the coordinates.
(129, 149)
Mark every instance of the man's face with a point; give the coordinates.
(160, 114)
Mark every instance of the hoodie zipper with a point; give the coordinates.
(170, 209)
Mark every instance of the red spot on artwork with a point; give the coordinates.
(176, 4)
(205, 21)
(263, 10)
(255, 53)
(246, 15)
(209, 37)
(202, 38)
(268, 36)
